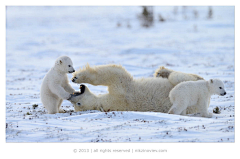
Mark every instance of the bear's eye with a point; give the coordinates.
(69, 65)
(220, 87)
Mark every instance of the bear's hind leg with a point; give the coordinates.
(184, 112)
(203, 108)
(50, 102)
(59, 105)
(51, 107)
(177, 108)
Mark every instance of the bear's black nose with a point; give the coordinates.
(73, 70)
(225, 93)
(73, 80)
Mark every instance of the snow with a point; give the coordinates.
(36, 36)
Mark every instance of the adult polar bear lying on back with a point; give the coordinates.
(125, 93)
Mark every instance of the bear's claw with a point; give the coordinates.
(74, 95)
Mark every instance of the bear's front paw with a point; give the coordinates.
(209, 115)
(70, 96)
(76, 93)
(101, 109)
(62, 111)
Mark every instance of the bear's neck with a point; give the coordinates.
(59, 71)
(93, 103)
(96, 102)
(210, 89)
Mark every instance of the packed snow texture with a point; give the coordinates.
(197, 40)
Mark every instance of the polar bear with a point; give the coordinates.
(55, 86)
(124, 92)
(197, 93)
(175, 77)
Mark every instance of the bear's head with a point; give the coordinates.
(217, 87)
(85, 100)
(64, 64)
(162, 72)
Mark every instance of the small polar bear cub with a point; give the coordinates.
(55, 86)
(195, 93)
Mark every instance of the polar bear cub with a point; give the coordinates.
(55, 86)
(175, 77)
(195, 93)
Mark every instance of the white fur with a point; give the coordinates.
(175, 77)
(195, 93)
(55, 86)
(125, 93)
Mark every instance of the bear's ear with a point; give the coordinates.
(162, 67)
(59, 62)
(211, 80)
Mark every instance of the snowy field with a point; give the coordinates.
(189, 39)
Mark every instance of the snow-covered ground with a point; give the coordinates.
(187, 41)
